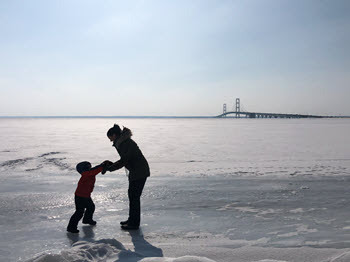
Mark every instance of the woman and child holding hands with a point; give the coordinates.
(133, 160)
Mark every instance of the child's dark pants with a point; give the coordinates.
(134, 193)
(82, 204)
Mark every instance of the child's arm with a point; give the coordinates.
(93, 171)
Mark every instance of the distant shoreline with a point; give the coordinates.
(157, 117)
(144, 117)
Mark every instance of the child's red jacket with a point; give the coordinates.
(87, 182)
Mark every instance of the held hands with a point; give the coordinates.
(106, 164)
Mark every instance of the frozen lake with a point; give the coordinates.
(220, 189)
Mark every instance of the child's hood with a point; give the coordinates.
(83, 167)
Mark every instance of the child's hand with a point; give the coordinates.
(106, 164)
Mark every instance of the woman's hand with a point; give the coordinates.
(106, 164)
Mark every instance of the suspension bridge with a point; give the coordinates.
(238, 113)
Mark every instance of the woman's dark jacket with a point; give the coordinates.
(130, 156)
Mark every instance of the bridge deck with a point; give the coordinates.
(268, 115)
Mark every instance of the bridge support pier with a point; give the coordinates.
(238, 108)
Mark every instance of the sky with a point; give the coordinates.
(173, 58)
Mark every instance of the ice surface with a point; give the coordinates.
(221, 189)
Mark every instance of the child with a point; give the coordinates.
(83, 201)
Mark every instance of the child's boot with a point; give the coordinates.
(73, 225)
(72, 230)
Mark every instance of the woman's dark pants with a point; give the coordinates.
(134, 193)
(82, 204)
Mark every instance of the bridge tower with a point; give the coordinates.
(238, 107)
(224, 110)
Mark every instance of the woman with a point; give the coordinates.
(136, 164)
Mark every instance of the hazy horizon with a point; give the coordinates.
(183, 58)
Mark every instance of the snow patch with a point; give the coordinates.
(247, 209)
(270, 260)
(179, 259)
(108, 250)
(344, 257)
(297, 210)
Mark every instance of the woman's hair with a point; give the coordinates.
(115, 130)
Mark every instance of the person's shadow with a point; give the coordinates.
(88, 235)
(142, 247)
